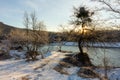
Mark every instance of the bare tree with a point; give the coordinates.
(111, 6)
(26, 23)
(82, 21)
(36, 35)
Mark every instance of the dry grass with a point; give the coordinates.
(24, 78)
(87, 73)
(60, 69)
(64, 64)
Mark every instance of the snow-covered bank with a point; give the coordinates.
(17, 54)
(43, 70)
(98, 44)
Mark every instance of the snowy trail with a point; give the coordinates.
(14, 69)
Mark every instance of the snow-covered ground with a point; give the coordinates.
(16, 69)
(42, 69)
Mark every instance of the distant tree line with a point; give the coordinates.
(104, 35)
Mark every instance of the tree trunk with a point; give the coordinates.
(82, 57)
(80, 40)
(80, 46)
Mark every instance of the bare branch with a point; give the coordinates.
(109, 6)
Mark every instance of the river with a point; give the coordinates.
(97, 55)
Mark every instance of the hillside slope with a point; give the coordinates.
(6, 28)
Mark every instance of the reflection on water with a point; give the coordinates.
(96, 54)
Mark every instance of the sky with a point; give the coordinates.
(52, 12)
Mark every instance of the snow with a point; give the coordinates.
(11, 69)
(47, 54)
(75, 77)
(15, 69)
(43, 69)
(106, 44)
(17, 54)
(70, 43)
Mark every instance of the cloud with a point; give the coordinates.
(35, 4)
(31, 3)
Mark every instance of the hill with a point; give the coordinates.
(5, 29)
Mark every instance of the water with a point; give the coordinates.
(96, 54)
(112, 56)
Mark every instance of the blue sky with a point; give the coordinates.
(52, 12)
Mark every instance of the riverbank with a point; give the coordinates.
(43, 69)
